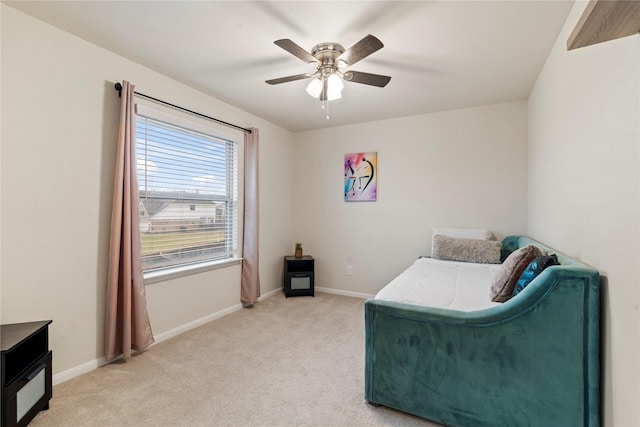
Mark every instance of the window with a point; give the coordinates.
(187, 182)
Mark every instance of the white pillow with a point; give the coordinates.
(463, 233)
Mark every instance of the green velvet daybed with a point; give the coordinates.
(533, 360)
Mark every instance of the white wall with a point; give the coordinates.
(584, 121)
(456, 168)
(59, 120)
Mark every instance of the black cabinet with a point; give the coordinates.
(26, 371)
(298, 276)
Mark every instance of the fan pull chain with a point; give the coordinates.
(325, 106)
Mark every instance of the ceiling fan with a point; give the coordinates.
(331, 61)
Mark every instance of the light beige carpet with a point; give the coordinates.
(285, 362)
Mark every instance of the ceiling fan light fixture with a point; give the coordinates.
(334, 87)
(314, 88)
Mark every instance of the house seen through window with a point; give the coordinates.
(187, 183)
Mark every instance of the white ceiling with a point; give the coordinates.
(441, 55)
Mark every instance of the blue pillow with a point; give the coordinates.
(532, 271)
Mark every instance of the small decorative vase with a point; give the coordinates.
(298, 253)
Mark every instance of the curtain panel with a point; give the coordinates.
(127, 325)
(250, 282)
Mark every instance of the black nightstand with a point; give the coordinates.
(298, 276)
(26, 372)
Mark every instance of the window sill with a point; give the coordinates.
(172, 273)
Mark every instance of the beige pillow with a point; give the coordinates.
(511, 270)
(461, 233)
(466, 250)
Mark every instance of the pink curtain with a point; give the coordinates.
(250, 283)
(127, 323)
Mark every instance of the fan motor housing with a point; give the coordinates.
(327, 51)
(326, 54)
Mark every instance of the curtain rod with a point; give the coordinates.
(118, 87)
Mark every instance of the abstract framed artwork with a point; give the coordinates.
(361, 177)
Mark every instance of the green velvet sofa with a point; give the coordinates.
(532, 361)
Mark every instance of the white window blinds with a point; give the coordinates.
(188, 194)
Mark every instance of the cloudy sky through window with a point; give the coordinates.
(172, 159)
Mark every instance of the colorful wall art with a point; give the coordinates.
(361, 177)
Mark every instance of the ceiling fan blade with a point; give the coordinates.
(295, 50)
(360, 50)
(367, 78)
(288, 79)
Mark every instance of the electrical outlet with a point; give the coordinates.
(349, 270)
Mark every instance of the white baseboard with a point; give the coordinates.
(270, 294)
(344, 293)
(195, 323)
(76, 371)
(206, 319)
(89, 366)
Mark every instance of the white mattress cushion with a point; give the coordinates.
(450, 285)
